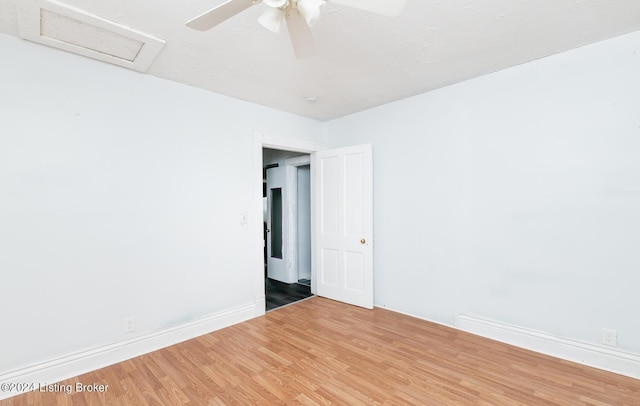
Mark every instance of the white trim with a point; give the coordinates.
(261, 304)
(286, 144)
(291, 165)
(414, 316)
(260, 141)
(608, 359)
(291, 223)
(258, 227)
(605, 358)
(72, 365)
(298, 160)
(29, 24)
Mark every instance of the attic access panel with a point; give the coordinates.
(60, 26)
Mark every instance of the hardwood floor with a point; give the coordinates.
(320, 352)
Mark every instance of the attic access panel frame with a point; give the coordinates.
(68, 28)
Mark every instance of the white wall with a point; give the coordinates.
(120, 195)
(514, 196)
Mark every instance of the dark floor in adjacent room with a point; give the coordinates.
(280, 294)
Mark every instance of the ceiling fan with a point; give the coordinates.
(300, 15)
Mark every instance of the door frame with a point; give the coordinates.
(260, 141)
(292, 212)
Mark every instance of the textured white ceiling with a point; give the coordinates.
(363, 60)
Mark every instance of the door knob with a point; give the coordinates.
(362, 241)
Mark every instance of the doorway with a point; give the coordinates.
(287, 226)
(341, 219)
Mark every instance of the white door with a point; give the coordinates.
(277, 224)
(343, 224)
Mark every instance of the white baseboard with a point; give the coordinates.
(72, 365)
(601, 357)
(261, 305)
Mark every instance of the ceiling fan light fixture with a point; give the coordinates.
(310, 10)
(271, 19)
(275, 3)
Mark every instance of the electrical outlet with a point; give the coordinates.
(609, 337)
(129, 324)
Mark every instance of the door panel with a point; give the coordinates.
(354, 271)
(354, 188)
(330, 276)
(343, 214)
(329, 195)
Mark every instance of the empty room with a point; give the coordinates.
(454, 185)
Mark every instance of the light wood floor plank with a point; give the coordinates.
(320, 352)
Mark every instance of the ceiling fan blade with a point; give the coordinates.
(300, 34)
(391, 8)
(215, 16)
